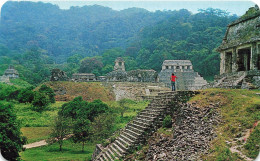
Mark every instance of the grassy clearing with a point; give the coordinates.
(34, 134)
(31, 118)
(70, 151)
(239, 110)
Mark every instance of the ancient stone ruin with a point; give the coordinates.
(120, 75)
(240, 53)
(187, 79)
(143, 125)
(58, 75)
(83, 77)
(9, 73)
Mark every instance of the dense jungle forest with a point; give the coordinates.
(36, 37)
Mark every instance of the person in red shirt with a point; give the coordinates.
(173, 80)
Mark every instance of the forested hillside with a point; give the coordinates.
(87, 30)
(36, 37)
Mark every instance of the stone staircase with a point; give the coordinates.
(232, 80)
(141, 127)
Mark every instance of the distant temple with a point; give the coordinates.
(83, 77)
(240, 52)
(187, 79)
(9, 73)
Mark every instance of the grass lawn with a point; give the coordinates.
(31, 118)
(34, 134)
(70, 151)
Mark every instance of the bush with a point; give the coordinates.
(49, 92)
(40, 102)
(26, 95)
(167, 122)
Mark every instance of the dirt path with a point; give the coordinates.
(35, 144)
(234, 148)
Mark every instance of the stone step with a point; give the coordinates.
(141, 123)
(122, 146)
(148, 121)
(130, 136)
(100, 158)
(146, 117)
(112, 154)
(104, 156)
(120, 150)
(123, 141)
(153, 114)
(108, 155)
(115, 150)
(130, 141)
(133, 133)
(138, 126)
(133, 128)
(155, 109)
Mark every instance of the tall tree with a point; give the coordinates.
(11, 140)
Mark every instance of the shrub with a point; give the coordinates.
(167, 122)
(26, 95)
(40, 102)
(48, 91)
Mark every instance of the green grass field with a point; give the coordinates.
(70, 151)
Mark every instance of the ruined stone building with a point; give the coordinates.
(240, 52)
(9, 73)
(119, 64)
(187, 78)
(58, 75)
(83, 77)
(120, 75)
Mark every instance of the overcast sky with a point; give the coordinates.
(234, 7)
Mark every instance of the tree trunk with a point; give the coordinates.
(60, 147)
(83, 146)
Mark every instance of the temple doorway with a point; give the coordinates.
(244, 59)
(228, 62)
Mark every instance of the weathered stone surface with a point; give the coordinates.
(145, 124)
(58, 75)
(243, 79)
(187, 78)
(83, 77)
(192, 132)
(242, 31)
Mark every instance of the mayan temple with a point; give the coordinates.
(188, 79)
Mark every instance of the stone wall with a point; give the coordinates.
(135, 90)
(191, 137)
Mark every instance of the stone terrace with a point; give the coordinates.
(144, 125)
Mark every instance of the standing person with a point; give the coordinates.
(173, 80)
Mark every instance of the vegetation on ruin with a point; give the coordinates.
(239, 110)
(240, 113)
